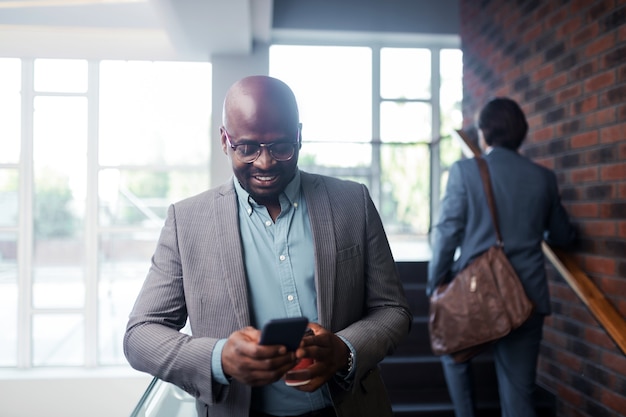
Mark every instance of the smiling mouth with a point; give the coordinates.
(265, 178)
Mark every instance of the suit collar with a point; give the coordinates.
(231, 251)
(322, 227)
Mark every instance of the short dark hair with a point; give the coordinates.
(503, 123)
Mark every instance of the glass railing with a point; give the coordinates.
(163, 399)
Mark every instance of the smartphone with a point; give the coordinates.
(287, 332)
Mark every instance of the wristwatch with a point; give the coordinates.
(350, 362)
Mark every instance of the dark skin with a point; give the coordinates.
(262, 109)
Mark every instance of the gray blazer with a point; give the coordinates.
(198, 273)
(529, 210)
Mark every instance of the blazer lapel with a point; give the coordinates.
(322, 227)
(231, 252)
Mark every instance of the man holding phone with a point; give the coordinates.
(275, 242)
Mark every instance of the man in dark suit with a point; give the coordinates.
(529, 211)
(273, 242)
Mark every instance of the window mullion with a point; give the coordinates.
(91, 220)
(375, 183)
(25, 236)
(435, 148)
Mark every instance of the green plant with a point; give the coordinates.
(52, 212)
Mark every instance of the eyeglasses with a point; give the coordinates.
(249, 152)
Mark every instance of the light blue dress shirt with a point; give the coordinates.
(280, 265)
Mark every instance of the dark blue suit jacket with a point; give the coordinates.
(529, 211)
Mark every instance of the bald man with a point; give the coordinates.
(274, 242)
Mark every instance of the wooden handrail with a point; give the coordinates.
(588, 292)
(601, 308)
(468, 147)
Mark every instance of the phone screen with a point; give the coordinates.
(287, 332)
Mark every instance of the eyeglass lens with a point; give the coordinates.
(280, 151)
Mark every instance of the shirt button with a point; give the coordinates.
(290, 297)
(249, 211)
(268, 223)
(295, 205)
(281, 257)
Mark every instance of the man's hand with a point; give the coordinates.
(250, 363)
(330, 355)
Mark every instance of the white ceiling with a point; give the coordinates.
(132, 29)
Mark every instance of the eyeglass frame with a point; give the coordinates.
(261, 146)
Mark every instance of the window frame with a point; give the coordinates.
(91, 230)
(434, 43)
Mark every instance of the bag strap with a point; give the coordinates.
(491, 202)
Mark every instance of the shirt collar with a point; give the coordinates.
(291, 193)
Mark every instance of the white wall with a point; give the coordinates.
(227, 69)
(94, 395)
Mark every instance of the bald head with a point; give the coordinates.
(261, 110)
(260, 103)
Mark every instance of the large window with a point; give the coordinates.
(92, 155)
(93, 152)
(382, 116)
(9, 206)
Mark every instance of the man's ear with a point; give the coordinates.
(223, 140)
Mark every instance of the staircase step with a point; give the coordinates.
(425, 374)
(414, 376)
(417, 387)
(441, 410)
(413, 272)
(417, 342)
(418, 302)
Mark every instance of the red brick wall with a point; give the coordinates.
(565, 63)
